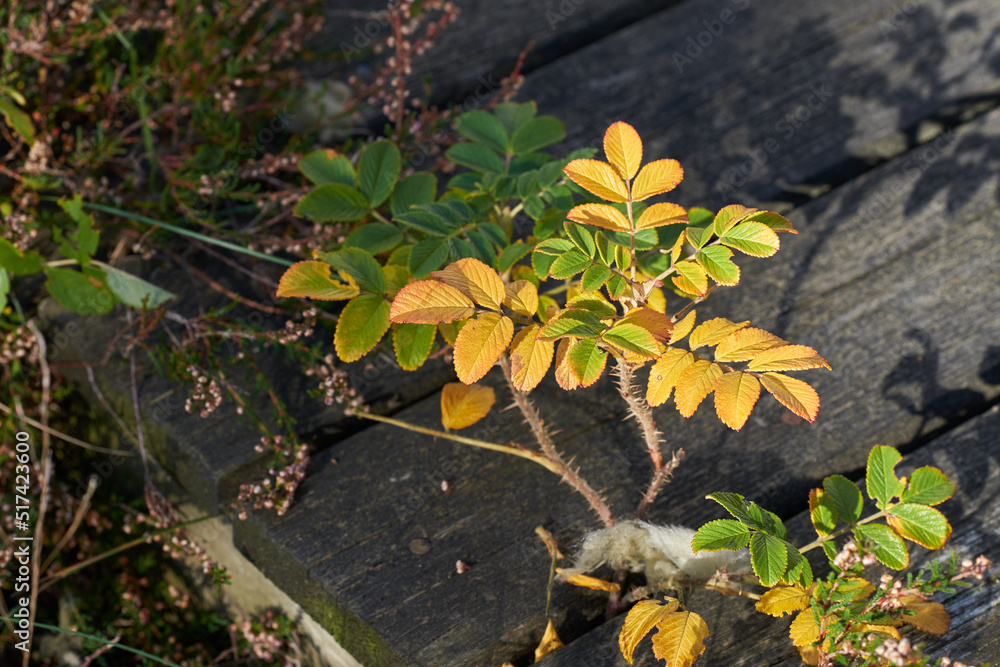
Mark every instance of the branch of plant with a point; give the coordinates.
(81, 511)
(63, 436)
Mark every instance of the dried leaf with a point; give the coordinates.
(794, 394)
(598, 178)
(550, 642)
(784, 600)
(430, 302)
(680, 637)
(480, 343)
(641, 619)
(735, 395)
(656, 178)
(464, 405)
(930, 617)
(564, 373)
(530, 358)
(475, 280)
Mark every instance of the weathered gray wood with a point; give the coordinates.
(740, 636)
(906, 310)
(817, 92)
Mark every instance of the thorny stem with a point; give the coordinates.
(569, 474)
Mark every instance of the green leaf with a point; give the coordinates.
(697, 236)
(799, 570)
(18, 263)
(4, 288)
(541, 262)
(881, 480)
(374, 237)
(412, 342)
(753, 238)
(85, 237)
(75, 291)
(573, 322)
(569, 264)
(513, 115)
(632, 337)
(418, 188)
(587, 361)
(19, 121)
(476, 157)
(378, 169)
(483, 248)
(359, 265)
(537, 133)
(556, 246)
(928, 486)
(919, 523)
(776, 222)
(594, 277)
(400, 256)
(700, 217)
(616, 286)
(396, 277)
(845, 496)
(511, 254)
(312, 279)
(322, 167)
(132, 290)
(333, 202)
(361, 325)
(769, 558)
(426, 256)
(581, 237)
(485, 128)
(718, 265)
(822, 512)
(885, 545)
(429, 223)
(534, 207)
(721, 534)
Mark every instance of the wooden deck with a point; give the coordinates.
(876, 125)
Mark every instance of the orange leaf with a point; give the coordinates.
(642, 618)
(713, 331)
(794, 394)
(680, 637)
(598, 178)
(683, 328)
(664, 373)
(522, 297)
(430, 302)
(600, 215)
(694, 384)
(593, 583)
(787, 358)
(623, 148)
(930, 617)
(529, 358)
(480, 343)
(745, 344)
(475, 280)
(655, 323)
(564, 374)
(312, 279)
(550, 642)
(464, 405)
(735, 395)
(659, 215)
(656, 178)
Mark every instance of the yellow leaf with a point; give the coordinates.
(430, 302)
(745, 344)
(623, 148)
(787, 358)
(449, 330)
(600, 215)
(530, 358)
(692, 278)
(475, 280)
(884, 630)
(804, 630)
(735, 395)
(664, 373)
(598, 178)
(794, 394)
(642, 618)
(684, 327)
(677, 247)
(680, 637)
(656, 178)
(713, 331)
(861, 588)
(809, 655)
(522, 297)
(784, 600)
(550, 642)
(564, 374)
(694, 384)
(659, 215)
(464, 405)
(480, 343)
(312, 279)
(656, 300)
(655, 323)
(930, 616)
(584, 581)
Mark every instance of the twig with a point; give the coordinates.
(63, 436)
(77, 520)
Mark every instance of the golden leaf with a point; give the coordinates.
(684, 327)
(522, 298)
(642, 618)
(784, 600)
(599, 215)
(312, 279)
(787, 358)
(930, 617)
(677, 247)
(809, 654)
(794, 394)
(745, 344)
(713, 331)
(692, 278)
(475, 280)
(804, 630)
(735, 395)
(464, 405)
(728, 216)
(480, 343)
(550, 642)
(659, 215)
(664, 373)
(530, 358)
(656, 178)
(694, 384)
(679, 638)
(598, 178)
(430, 302)
(449, 330)
(623, 148)
(564, 374)
(584, 581)
(656, 300)
(655, 323)
(884, 630)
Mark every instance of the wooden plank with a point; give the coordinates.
(921, 271)
(778, 94)
(741, 636)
